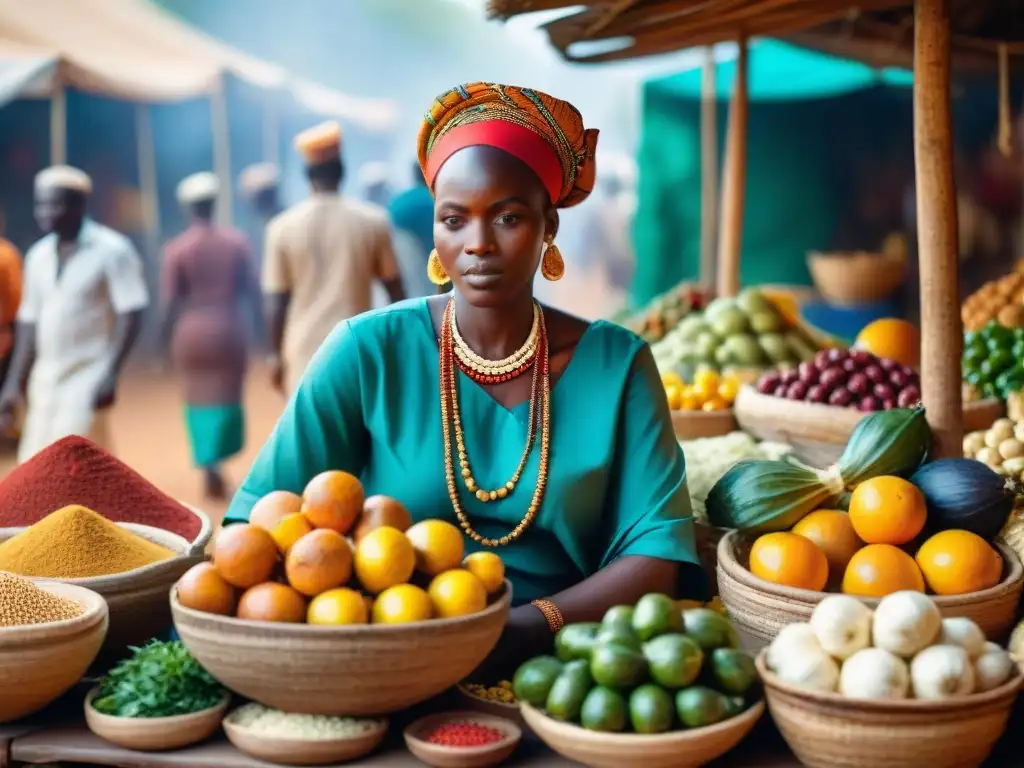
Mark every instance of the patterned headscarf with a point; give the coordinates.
(544, 132)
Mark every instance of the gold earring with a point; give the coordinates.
(435, 272)
(552, 266)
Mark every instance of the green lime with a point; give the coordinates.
(699, 706)
(654, 615)
(533, 680)
(575, 641)
(709, 629)
(616, 666)
(618, 635)
(604, 710)
(674, 660)
(569, 690)
(734, 705)
(733, 671)
(650, 709)
(618, 616)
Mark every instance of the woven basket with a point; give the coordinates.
(759, 609)
(851, 279)
(825, 730)
(351, 670)
(693, 425)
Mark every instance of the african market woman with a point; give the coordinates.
(207, 273)
(432, 401)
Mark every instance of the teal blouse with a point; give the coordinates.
(369, 404)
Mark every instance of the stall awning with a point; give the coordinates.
(25, 71)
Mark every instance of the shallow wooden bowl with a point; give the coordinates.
(40, 662)
(461, 757)
(692, 425)
(759, 609)
(155, 734)
(360, 671)
(282, 751)
(826, 730)
(851, 279)
(677, 749)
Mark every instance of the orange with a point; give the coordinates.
(402, 604)
(273, 508)
(290, 530)
(881, 569)
(833, 532)
(384, 558)
(956, 562)
(333, 499)
(244, 555)
(456, 593)
(887, 510)
(202, 589)
(893, 339)
(487, 567)
(338, 607)
(439, 546)
(272, 602)
(381, 510)
(791, 560)
(319, 561)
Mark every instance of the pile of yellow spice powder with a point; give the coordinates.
(23, 603)
(77, 543)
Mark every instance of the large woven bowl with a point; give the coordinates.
(677, 749)
(759, 609)
(40, 662)
(851, 279)
(825, 730)
(355, 670)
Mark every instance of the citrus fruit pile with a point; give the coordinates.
(879, 547)
(708, 392)
(332, 557)
(648, 668)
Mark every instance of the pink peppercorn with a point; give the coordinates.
(464, 734)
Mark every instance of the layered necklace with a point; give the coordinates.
(455, 352)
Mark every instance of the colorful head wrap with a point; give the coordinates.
(544, 132)
(320, 144)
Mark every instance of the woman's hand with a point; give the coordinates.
(526, 635)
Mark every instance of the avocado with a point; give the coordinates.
(618, 615)
(709, 629)
(576, 641)
(617, 666)
(604, 710)
(732, 670)
(654, 615)
(651, 709)
(767, 322)
(674, 661)
(569, 690)
(751, 301)
(533, 680)
(699, 706)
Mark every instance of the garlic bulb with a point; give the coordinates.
(941, 672)
(961, 631)
(842, 625)
(905, 622)
(792, 640)
(814, 671)
(874, 673)
(992, 668)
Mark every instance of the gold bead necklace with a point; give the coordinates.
(497, 368)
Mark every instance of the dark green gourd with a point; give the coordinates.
(965, 494)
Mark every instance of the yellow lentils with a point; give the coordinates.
(23, 603)
(497, 694)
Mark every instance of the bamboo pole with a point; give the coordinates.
(734, 179)
(149, 192)
(58, 126)
(708, 169)
(942, 331)
(222, 152)
(272, 131)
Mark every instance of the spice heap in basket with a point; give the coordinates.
(998, 301)
(274, 723)
(993, 361)
(902, 649)
(294, 563)
(648, 668)
(23, 603)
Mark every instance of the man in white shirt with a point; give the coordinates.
(80, 314)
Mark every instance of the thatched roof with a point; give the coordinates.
(876, 31)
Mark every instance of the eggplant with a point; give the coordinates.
(965, 494)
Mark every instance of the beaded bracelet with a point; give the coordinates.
(551, 614)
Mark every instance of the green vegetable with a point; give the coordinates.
(158, 680)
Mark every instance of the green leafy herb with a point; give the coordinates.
(158, 680)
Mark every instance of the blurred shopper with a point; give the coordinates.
(10, 298)
(80, 314)
(412, 222)
(207, 274)
(322, 258)
(372, 179)
(260, 184)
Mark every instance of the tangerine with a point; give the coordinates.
(878, 570)
(269, 511)
(272, 602)
(333, 499)
(456, 593)
(955, 562)
(788, 559)
(402, 604)
(439, 546)
(244, 554)
(833, 532)
(381, 510)
(319, 561)
(487, 567)
(887, 510)
(202, 588)
(289, 531)
(338, 607)
(384, 558)
(893, 339)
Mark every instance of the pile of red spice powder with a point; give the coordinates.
(464, 734)
(75, 470)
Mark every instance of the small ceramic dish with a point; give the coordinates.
(299, 751)
(155, 734)
(440, 756)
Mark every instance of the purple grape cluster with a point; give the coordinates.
(849, 378)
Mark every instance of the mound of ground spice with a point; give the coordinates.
(75, 470)
(76, 543)
(22, 603)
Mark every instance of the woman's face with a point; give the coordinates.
(491, 218)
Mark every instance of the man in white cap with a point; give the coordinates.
(80, 314)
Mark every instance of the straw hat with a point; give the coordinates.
(320, 143)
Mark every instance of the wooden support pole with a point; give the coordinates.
(941, 328)
(222, 153)
(58, 126)
(148, 189)
(734, 181)
(708, 169)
